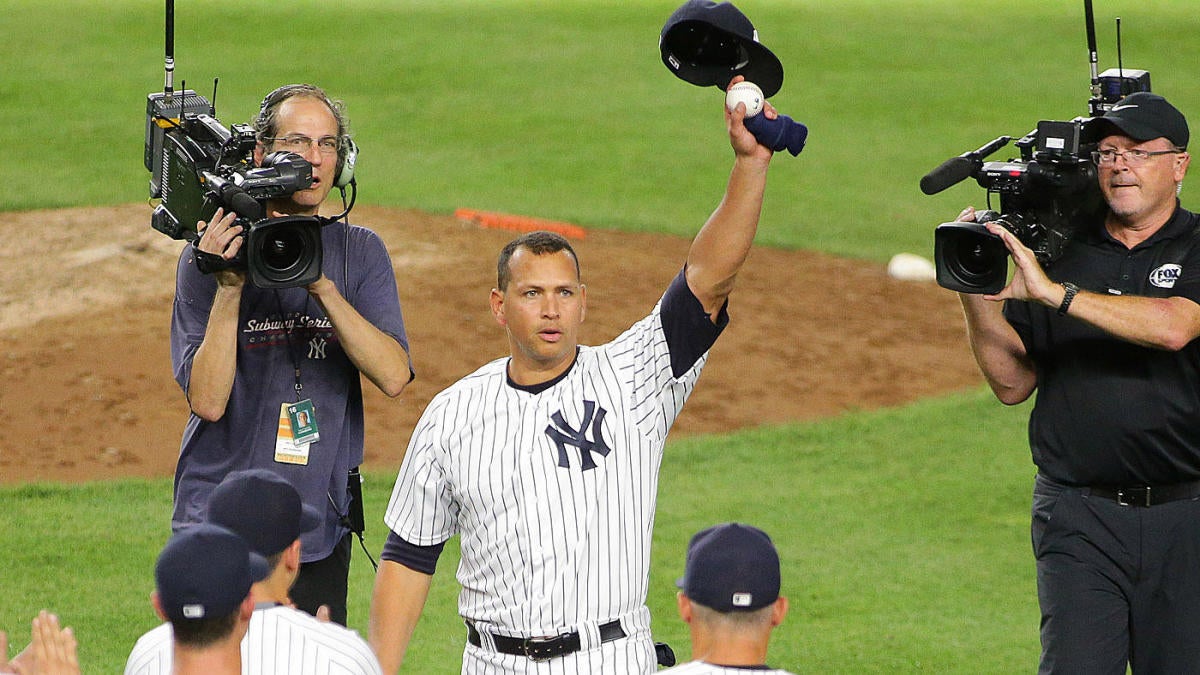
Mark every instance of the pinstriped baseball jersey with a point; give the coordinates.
(278, 640)
(553, 493)
(702, 668)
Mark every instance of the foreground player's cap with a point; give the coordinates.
(1142, 116)
(708, 43)
(731, 568)
(205, 571)
(262, 508)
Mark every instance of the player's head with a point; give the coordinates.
(267, 512)
(541, 303)
(303, 119)
(731, 580)
(202, 580)
(264, 510)
(1141, 154)
(537, 243)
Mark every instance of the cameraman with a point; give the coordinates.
(243, 355)
(1107, 336)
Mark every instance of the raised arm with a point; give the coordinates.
(1159, 323)
(721, 246)
(997, 347)
(215, 362)
(375, 353)
(998, 350)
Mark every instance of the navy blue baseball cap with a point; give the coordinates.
(1142, 116)
(709, 43)
(731, 568)
(262, 508)
(205, 571)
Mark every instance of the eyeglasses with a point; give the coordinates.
(301, 144)
(1132, 157)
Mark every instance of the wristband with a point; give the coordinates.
(1072, 289)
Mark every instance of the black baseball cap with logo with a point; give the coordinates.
(709, 43)
(1142, 116)
(731, 568)
(205, 571)
(262, 508)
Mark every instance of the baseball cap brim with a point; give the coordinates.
(1142, 116)
(1097, 128)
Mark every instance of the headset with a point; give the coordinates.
(347, 149)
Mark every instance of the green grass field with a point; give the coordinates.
(904, 537)
(904, 532)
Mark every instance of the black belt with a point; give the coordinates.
(1151, 495)
(541, 649)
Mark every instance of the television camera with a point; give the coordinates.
(197, 164)
(1045, 194)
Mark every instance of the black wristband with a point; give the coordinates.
(1072, 289)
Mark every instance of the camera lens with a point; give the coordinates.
(974, 258)
(282, 250)
(969, 259)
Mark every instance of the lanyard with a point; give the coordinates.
(287, 336)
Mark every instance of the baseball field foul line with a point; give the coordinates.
(504, 221)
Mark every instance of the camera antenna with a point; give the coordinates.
(169, 76)
(1090, 24)
(1120, 65)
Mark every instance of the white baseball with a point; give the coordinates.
(747, 93)
(911, 267)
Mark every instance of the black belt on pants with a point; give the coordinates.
(1147, 495)
(540, 649)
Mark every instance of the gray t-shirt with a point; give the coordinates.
(280, 331)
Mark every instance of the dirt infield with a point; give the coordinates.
(86, 388)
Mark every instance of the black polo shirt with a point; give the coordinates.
(1109, 412)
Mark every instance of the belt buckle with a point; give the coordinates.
(1125, 497)
(543, 649)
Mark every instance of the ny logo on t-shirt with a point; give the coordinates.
(563, 434)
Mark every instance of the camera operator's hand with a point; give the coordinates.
(996, 346)
(1029, 281)
(220, 236)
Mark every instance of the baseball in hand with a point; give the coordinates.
(747, 93)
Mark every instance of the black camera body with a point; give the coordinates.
(198, 165)
(1045, 196)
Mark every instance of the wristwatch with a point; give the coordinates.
(1072, 289)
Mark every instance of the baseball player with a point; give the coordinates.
(729, 597)
(267, 512)
(202, 587)
(546, 462)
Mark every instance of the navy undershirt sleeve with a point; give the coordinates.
(689, 330)
(420, 558)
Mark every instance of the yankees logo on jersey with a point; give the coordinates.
(563, 435)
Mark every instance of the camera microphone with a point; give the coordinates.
(958, 169)
(951, 172)
(236, 199)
